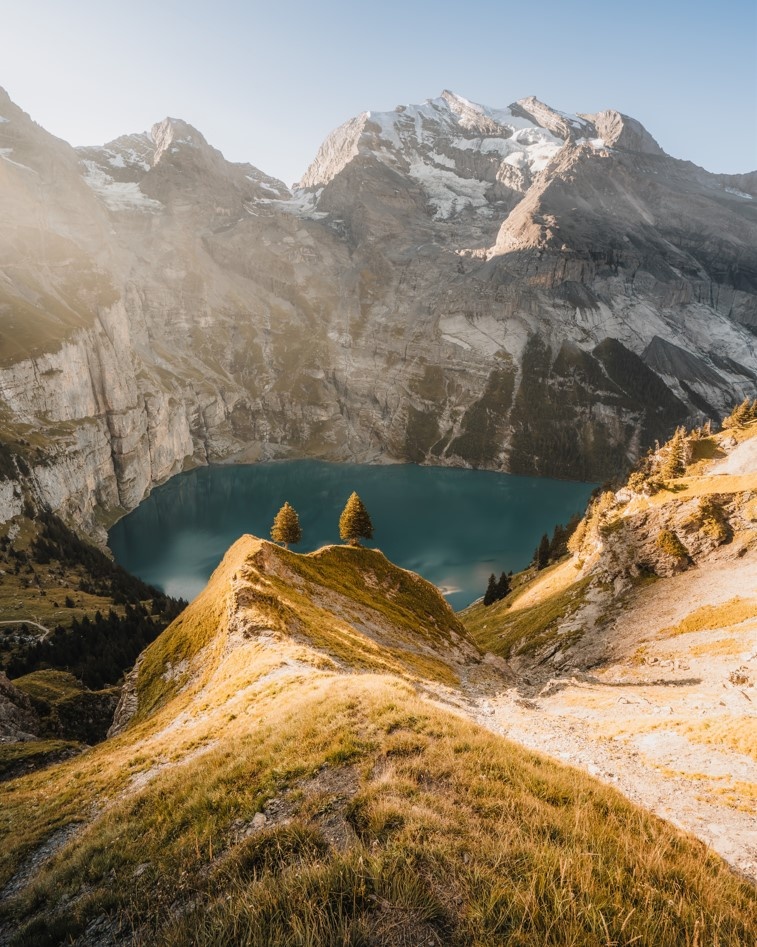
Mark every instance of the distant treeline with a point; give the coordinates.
(98, 649)
(106, 578)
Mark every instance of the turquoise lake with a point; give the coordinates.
(453, 526)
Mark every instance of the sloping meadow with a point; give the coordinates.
(281, 790)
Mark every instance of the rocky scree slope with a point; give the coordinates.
(517, 289)
(636, 658)
(286, 766)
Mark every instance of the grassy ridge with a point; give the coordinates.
(388, 821)
(351, 604)
(271, 791)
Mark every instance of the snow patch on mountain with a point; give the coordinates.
(737, 193)
(262, 184)
(448, 192)
(299, 203)
(117, 195)
(128, 158)
(480, 118)
(535, 147)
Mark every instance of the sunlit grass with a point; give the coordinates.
(722, 647)
(49, 685)
(464, 836)
(387, 820)
(713, 617)
(736, 732)
(508, 631)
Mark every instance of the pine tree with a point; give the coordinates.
(286, 526)
(355, 522)
(490, 595)
(503, 586)
(741, 415)
(541, 556)
(677, 455)
(558, 545)
(497, 589)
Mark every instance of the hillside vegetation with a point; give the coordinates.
(71, 624)
(64, 604)
(286, 772)
(636, 656)
(655, 526)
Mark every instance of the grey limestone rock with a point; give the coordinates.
(515, 288)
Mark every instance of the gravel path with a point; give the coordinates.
(741, 460)
(626, 766)
(641, 719)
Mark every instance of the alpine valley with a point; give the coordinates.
(317, 750)
(515, 289)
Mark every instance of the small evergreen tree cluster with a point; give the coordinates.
(57, 542)
(677, 455)
(354, 524)
(497, 589)
(742, 414)
(96, 650)
(550, 550)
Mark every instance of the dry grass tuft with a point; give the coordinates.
(713, 617)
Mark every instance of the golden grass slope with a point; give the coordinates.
(285, 782)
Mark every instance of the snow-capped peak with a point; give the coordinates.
(465, 156)
(469, 114)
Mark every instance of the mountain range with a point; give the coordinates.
(516, 289)
(317, 749)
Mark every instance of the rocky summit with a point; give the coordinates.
(516, 289)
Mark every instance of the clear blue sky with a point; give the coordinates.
(265, 82)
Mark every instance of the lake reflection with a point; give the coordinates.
(453, 526)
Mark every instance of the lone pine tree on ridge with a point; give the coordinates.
(355, 522)
(286, 526)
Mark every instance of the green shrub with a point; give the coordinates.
(671, 545)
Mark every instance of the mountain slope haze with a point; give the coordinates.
(516, 289)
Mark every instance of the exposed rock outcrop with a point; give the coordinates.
(449, 284)
(18, 721)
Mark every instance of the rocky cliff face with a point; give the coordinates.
(18, 720)
(517, 289)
